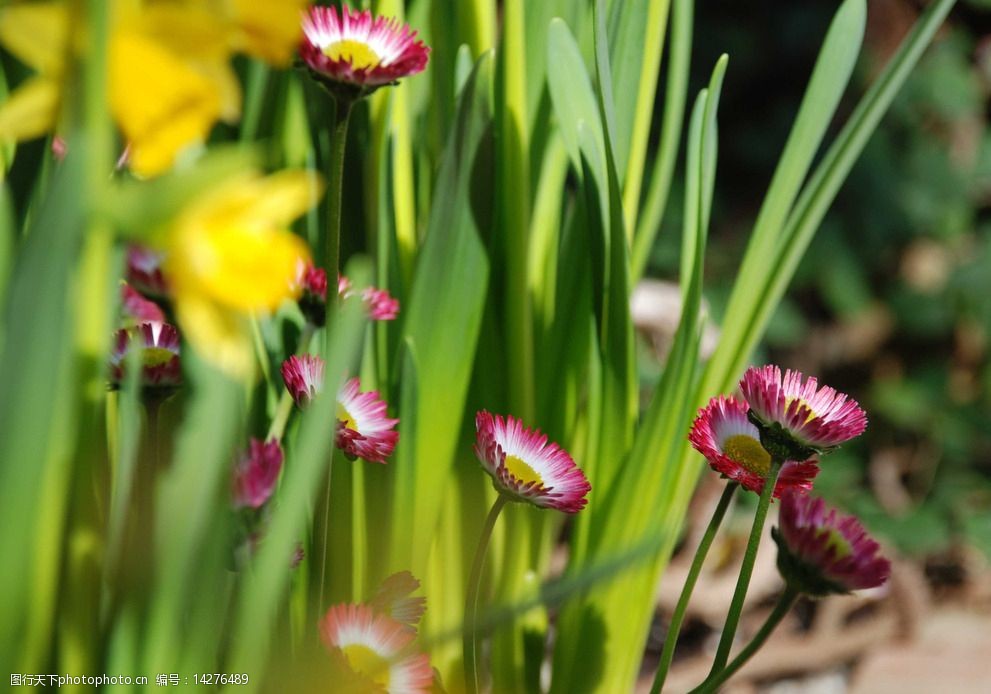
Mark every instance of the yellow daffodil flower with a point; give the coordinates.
(231, 255)
(169, 73)
(38, 36)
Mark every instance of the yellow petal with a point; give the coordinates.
(241, 269)
(227, 87)
(30, 111)
(269, 29)
(38, 34)
(274, 201)
(160, 102)
(217, 335)
(201, 37)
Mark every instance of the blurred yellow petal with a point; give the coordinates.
(30, 111)
(37, 33)
(228, 88)
(269, 29)
(161, 103)
(193, 32)
(217, 335)
(239, 268)
(272, 201)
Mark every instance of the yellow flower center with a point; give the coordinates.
(521, 471)
(800, 404)
(156, 356)
(360, 55)
(367, 662)
(837, 543)
(747, 451)
(344, 416)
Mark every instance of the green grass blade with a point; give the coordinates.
(631, 505)
(265, 588)
(444, 311)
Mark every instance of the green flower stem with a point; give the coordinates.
(471, 600)
(324, 534)
(785, 603)
(261, 353)
(284, 409)
(335, 182)
(667, 653)
(747, 569)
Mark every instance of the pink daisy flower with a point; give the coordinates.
(137, 309)
(256, 473)
(820, 552)
(363, 429)
(731, 445)
(144, 271)
(379, 304)
(526, 467)
(303, 376)
(376, 648)
(813, 417)
(159, 344)
(394, 598)
(361, 54)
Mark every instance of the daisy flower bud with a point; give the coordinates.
(820, 552)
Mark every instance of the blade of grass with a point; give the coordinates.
(648, 224)
(265, 588)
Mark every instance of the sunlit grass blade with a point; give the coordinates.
(441, 321)
(611, 622)
(648, 222)
(37, 382)
(186, 509)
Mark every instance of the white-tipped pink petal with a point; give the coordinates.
(364, 429)
(377, 648)
(352, 48)
(812, 416)
(303, 376)
(731, 445)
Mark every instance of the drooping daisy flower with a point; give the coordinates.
(379, 304)
(137, 309)
(376, 648)
(144, 270)
(256, 473)
(394, 599)
(811, 417)
(731, 445)
(159, 344)
(526, 467)
(820, 552)
(363, 429)
(303, 376)
(352, 52)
